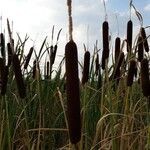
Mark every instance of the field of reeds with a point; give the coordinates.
(108, 108)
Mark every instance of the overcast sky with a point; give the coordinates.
(36, 18)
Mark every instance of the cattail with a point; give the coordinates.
(117, 48)
(4, 80)
(28, 58)
(97, 64)
(73, 96)
(2, 45)
(145, 42)
(120, 60)
(117, 75)
(9, 49)
(86, 67)
(34, 69)
(99, 83)
(18, 76)
(140, 49)
(105, 54)
(54, 54)
(47, 69)
(2, 65)
(51, 55)
(131, 72)
(145, 82)
(129, 35)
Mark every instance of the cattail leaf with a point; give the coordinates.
(42, 47)
(28, 58)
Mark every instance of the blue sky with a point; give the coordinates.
(36, 18)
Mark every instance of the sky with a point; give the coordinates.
(37, 17)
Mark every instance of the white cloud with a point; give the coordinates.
(147, 7)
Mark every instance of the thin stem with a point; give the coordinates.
(69, 2)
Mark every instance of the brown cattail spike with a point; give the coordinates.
(117, 48)
(97, 65)
(145, 42)
(99, 83)
(18, 76)
(86, 67)
(2, 65)
(34, 69)
(145, 81)
(4, 80)
(131, 72)
(140, 49)
(28, 58)
(105, 54)
(47, 69)
(73, 96)
(129, 36)
(117, 72)
(2, 45)
(54, 53)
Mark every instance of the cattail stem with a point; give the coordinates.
(69, 4)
